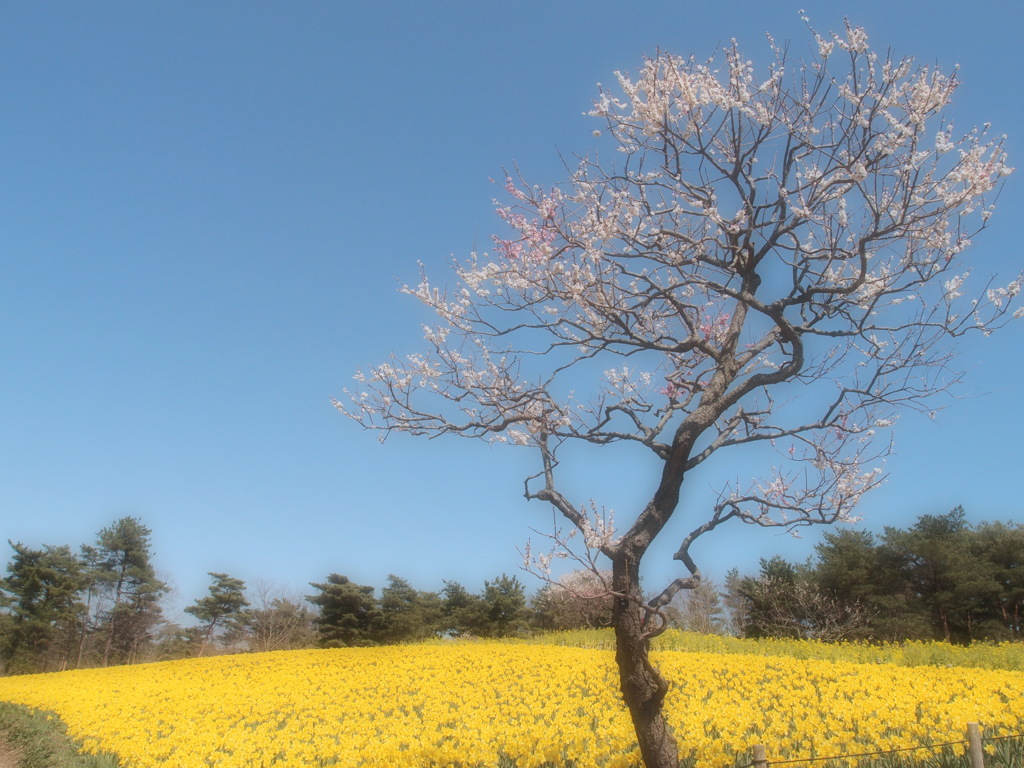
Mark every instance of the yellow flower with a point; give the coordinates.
(467, 704)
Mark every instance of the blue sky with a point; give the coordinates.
(205, 212)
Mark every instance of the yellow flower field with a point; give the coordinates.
(466, 703)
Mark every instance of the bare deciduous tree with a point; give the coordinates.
(785, 601)
(774, 260)
(699, 609)
(578, 599)
(278, 619)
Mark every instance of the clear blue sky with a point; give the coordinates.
(205, 210)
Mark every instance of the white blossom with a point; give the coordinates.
(779, 263)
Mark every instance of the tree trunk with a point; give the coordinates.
(85, 626)
(113, 617)
(110, 638)
(643, 688)
(207, 638)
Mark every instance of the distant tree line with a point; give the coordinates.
(104, 605)
(352, 615)
(939, 579)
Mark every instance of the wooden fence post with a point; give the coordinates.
(760, 756)
(974, 749)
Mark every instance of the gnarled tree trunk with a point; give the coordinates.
(643, 687)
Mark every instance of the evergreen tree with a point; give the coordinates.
(462, 612)
(847, 564)
(349, 614)
(126, 579)
(848, 571)
(430, 614)
(938, 574)
(1001, 547)
(504, 606)
(43, 588)
(408, 614)
(223, 609)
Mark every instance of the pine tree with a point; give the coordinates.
(128, 581)
(349, 614)
(43, 588)
(223, 608)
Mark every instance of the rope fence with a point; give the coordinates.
(974, 742)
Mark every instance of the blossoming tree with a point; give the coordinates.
(773, 259)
